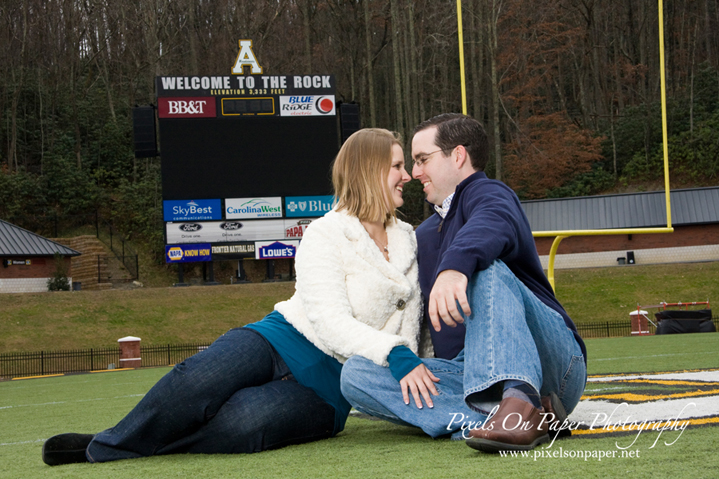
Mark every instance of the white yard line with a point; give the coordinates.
(68, 402)
(677, 376)
(622, 358)
(21, 443)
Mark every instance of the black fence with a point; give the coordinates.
(42, 363)
(612, 329)
(118, 245)
(607, 329)
(169, 354)
(56, 362)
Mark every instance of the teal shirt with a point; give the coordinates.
(309, 365)
(318, 371)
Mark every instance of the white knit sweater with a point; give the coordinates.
(348, 299)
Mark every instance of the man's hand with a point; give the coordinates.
(420, 382)
(449, 288)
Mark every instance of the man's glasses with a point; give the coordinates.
(421, 161)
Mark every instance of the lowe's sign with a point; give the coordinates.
(276, 249)
(191, 210)
(297, 206)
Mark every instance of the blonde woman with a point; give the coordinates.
(277, 382)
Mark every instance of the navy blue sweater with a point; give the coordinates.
(485, 223)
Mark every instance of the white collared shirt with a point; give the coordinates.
(442, 211)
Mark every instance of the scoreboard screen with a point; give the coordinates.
(221, 138)
(259, 156)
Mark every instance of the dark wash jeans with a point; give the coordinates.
(237, 396)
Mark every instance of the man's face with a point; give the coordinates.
(432, 168)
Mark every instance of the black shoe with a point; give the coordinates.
(66, 449)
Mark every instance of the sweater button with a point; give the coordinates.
(401, 304)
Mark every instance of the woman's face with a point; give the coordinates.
(397, 177)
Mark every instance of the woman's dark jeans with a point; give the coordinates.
(237, 396)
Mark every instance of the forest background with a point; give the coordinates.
(569, 90)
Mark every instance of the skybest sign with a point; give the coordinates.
(313, 206)
(244, 208)
(191, 210)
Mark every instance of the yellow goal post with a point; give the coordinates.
(560, 235)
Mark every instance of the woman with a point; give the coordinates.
(277, 382)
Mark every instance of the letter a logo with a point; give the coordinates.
(246, 58)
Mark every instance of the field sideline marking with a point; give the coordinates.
(645, 373)
(77, 400)
(63, 374)
(35, 377)
(621, 358)
(22, 442)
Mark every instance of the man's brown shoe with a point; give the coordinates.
(516, 426)
(552, 405)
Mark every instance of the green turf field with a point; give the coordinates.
(32, 410)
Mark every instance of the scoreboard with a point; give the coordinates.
(245, 161)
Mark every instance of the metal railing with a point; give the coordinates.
(163, 355)
(119, 246)
(42, 363)
(613, 329)
(607, 329)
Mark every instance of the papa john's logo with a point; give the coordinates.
(187, 107)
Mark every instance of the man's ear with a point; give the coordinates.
(461, 156)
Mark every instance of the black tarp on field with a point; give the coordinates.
(676, 322)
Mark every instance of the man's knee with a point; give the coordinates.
(354, 373)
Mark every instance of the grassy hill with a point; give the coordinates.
(84, 319)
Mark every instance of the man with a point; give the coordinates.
(503, 343)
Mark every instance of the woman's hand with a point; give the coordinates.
(420, 382)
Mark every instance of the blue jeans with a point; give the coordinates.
(510, 334)
(237, 396)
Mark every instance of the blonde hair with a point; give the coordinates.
(359, 175)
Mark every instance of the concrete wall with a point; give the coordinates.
(686, 244)
(682, 236)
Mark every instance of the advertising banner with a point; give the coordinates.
(188, 253)
(244, 208)
(191, 210)
(247, 248)
(296, 228)
(235, 231)
(298, 206)
(276, 249)
(307, 105)
(187, 107)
